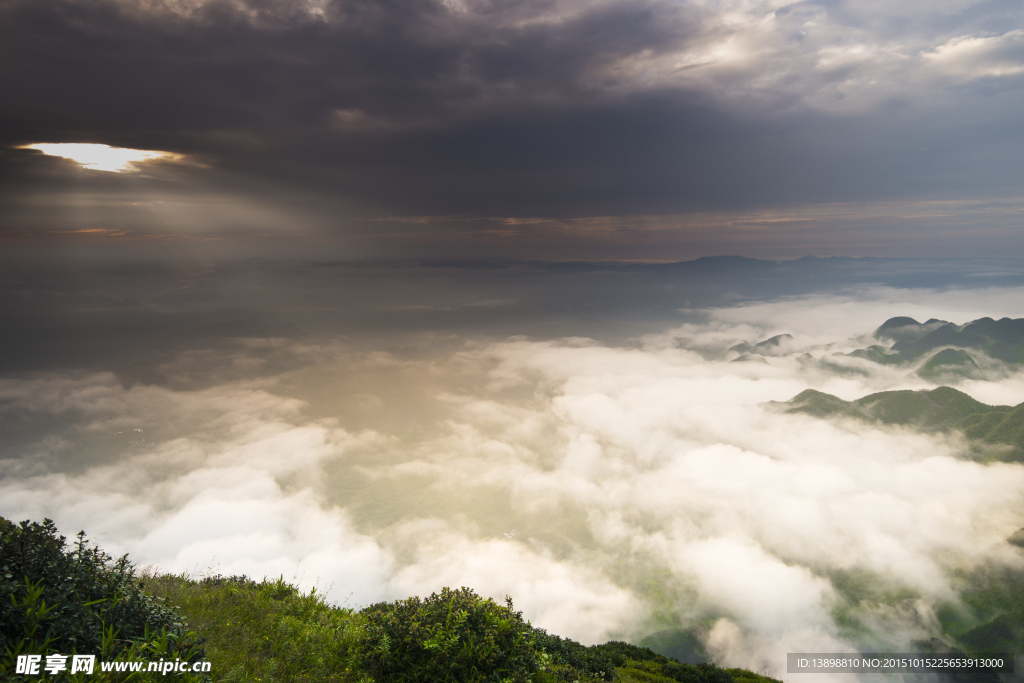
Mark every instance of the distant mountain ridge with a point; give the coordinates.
(1002, 339)
(954, 350)
(958, 349)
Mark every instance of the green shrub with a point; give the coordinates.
(79, 601)
(454, 637)
(620, 653)
(571, 661)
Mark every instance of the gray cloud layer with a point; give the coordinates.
(126, 315)
(325, 112)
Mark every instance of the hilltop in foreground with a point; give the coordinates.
(58, 601)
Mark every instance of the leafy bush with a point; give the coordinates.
(54, 600)
(456, 637)
(571, 661)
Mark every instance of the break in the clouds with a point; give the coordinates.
(100, 157)
(612, 490)
(583, 129)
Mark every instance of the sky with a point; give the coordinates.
(654, 130)
(383, 297)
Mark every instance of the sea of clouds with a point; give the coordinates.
(612, 491)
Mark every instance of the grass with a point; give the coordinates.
(745, 676)
(266, 631)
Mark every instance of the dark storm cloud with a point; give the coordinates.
(534, 108)
(226, 75)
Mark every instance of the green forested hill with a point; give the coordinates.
(940, 409)
(1002, 339)
(948, 350)
(1003, 634)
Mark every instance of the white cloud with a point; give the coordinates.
(974, 56)
(562, 597)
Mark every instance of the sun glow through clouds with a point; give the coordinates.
(101, 157)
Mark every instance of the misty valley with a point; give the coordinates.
(757, 479)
